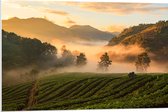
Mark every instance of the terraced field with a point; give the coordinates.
(88, 91)
(15, 97)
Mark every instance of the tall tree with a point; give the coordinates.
(81, 60)
(67, 58)
(105, 62)
(34, 74)
(142, 62)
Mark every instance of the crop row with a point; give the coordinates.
(86, 100)
(15, 97)
(90, 93)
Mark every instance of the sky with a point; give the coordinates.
(112, 17)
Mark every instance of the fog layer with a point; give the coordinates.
(123, 61)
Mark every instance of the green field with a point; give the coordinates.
(88, 91)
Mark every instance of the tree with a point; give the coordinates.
(48, 49)
(142, 62)
(67, 58)
(132, 75)
(105, 62)
(81, 60)
(34, 74)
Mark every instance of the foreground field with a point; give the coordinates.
(88, 91)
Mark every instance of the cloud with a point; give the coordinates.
(120, 8)
(115, 28)
(38, 5)
(20, 3)
(58, 12)
(70, 22)
(105, 7)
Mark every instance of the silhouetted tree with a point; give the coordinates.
(81, 60)
(34, 74)
(67, 57)
(132, 75)
(142, 62)
(105, 62)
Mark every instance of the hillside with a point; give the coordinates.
(46, 30)
(88, 91)
(90, 33)
(152, 37)
(20, 51)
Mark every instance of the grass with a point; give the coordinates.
(90, 91)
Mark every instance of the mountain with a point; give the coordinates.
(116, 33)
(90, 33)
(128, 32)
(46, 30)
(152, 37)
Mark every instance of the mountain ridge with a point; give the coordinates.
(152, 37)
(42, 28)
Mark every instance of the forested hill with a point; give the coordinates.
(152, 37)
(19, 52)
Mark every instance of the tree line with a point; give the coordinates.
(142, 61)
(19, 52)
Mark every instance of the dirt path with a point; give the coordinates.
(32, 98)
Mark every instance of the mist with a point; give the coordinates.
(15, 76)
(123, 61)
(123, 57)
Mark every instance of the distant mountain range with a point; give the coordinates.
(152, 37)
(45, 30)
